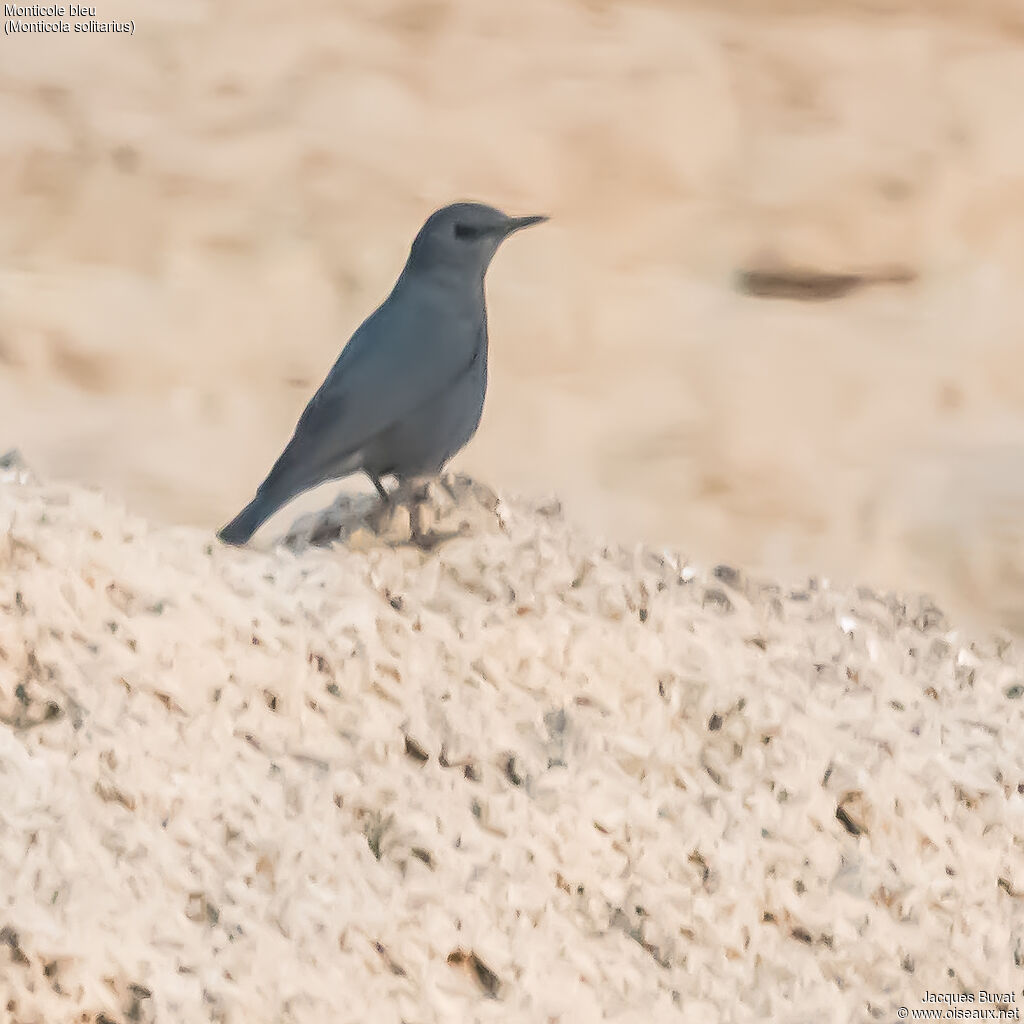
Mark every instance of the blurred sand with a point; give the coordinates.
(197, 217)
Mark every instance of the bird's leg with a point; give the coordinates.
(375, 480)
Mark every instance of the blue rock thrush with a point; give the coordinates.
(408, 389)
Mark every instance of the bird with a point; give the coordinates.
(407, 391)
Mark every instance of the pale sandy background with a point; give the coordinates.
(197, 217)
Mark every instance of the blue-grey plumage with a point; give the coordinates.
(407, 391)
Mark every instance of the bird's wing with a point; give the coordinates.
(403, 355)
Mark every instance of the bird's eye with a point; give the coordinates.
(466, 231)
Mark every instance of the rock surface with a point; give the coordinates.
(517, 776)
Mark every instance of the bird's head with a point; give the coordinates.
(464, 237)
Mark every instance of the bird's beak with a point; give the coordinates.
(516, 223)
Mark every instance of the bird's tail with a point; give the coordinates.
(248, 521)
